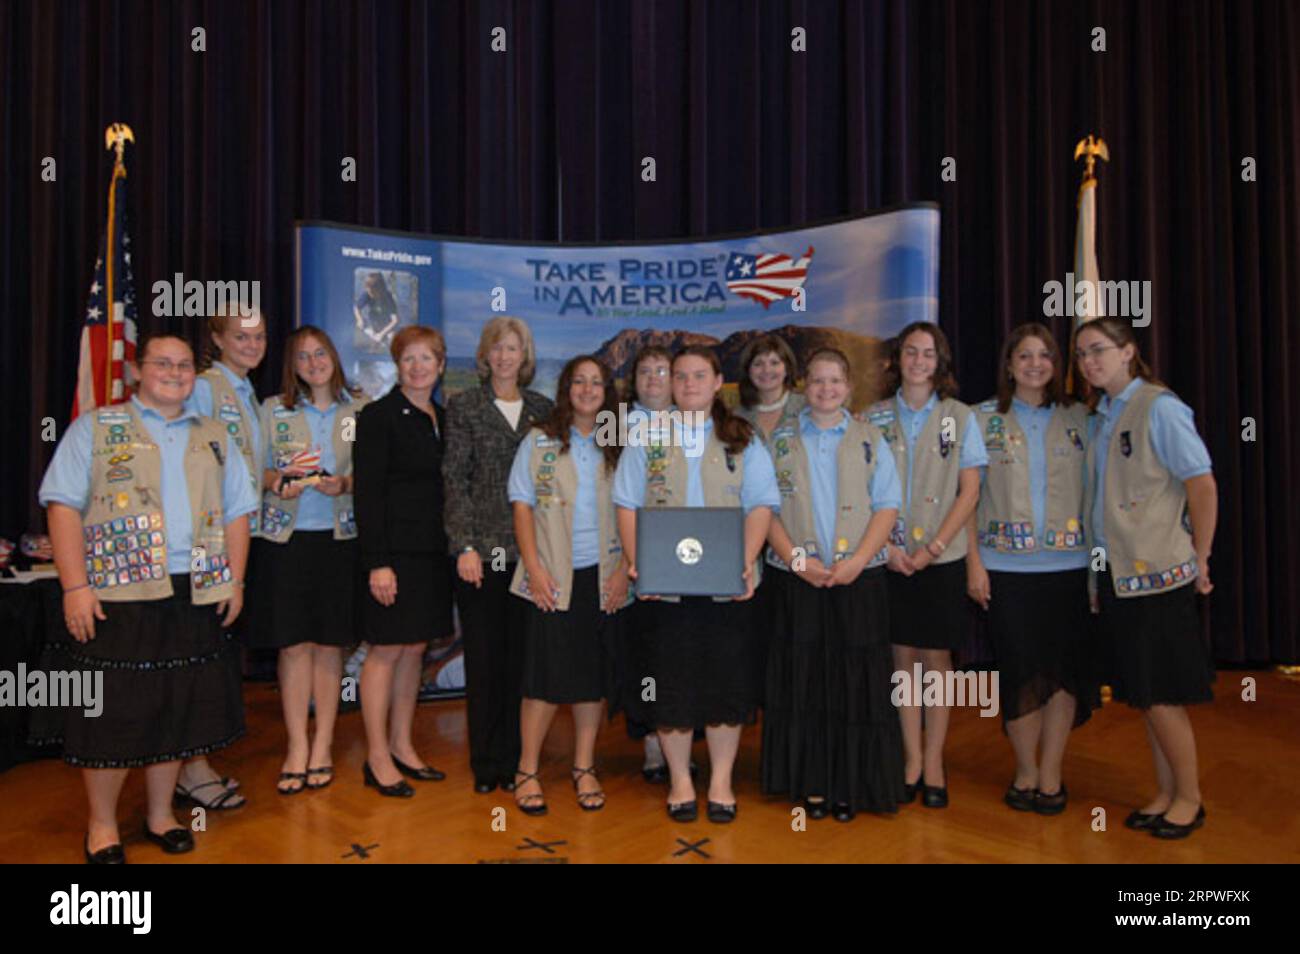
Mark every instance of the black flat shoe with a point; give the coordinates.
(1021, 799)
(843, 812)
(1170, 830)
(398, 789)
(684, 811)
(816, 810)
(655, 774)
(426, 774)
(534, 804)
(909, 791)
(484, 787)
(112, 855)
(1052, 804)
(721, 814)
(1139, 821)
(934, 796)
(507, 784)
(174, 841)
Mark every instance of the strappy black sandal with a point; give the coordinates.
(218, 802)
(534, 804)
(291, 777)
(326, 770)
(587, 800)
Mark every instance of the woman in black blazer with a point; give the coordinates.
(484, 427)
(397, 463)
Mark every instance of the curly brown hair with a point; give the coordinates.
(945, 381)
(560, 419)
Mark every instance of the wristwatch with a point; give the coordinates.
(469, 549)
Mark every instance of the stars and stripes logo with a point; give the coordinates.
(768, 277)
(303, 463)
(108, 333)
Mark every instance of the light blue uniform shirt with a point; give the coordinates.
(822, 447)
(587, 459)
(757, 487)
(911, 423)
(201, 399)
(315, 509)
(1033, 421)
(1173, 438)
(67, 480)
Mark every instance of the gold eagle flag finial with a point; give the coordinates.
(1092, 147)
(116, 137)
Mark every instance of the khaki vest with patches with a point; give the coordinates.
(228, 411)
(721, 477)
(855, 465)
(555, 482)
(1005, 519)
(288, 433)
(1148, 532)
(124, 525)
(934, 486)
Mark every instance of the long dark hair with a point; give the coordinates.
(560, 419)
(735, 432)
(1054, 391)
(1120, 333)
(945, 381)
(292, 386)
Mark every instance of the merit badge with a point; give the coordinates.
(122, 501)
(1075, 439)
(866, 452)
(918, 533)
(549, 457)
(118, 473)
(945, 446)
(1126, 443)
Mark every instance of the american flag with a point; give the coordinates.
(303, 462)
(766, 278)
(102, 374)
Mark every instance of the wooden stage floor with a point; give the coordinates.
(1249, 768)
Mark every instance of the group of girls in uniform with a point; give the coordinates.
(1082, 529)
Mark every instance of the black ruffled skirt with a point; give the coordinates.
(829, 726)
(170, 684)
(1043, 635)
(1152, 649)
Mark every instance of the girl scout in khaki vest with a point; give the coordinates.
(938, 450)
(830, 733)
(308, 563)
(1151, 506)
(1027, 559)
(571, 569)
(224, 392)
(699, 649)
(148, 504)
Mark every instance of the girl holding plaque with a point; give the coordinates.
(700, 659)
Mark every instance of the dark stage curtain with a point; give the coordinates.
(545, 141)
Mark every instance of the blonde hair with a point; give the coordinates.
(217, 324)
(494, 331)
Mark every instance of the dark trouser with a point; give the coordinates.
(491, 621)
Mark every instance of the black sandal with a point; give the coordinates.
(326, 770)
(218, 801)
(290, 777)
(585, 798)
(534, 804)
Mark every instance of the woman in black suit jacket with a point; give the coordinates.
(397, 464)
(484, 428)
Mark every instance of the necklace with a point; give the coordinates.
(774, 406)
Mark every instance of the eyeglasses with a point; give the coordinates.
(1094, 351)
(167, 367)
(318, 354)
(660, 372)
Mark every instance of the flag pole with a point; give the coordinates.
(1090, 149)
(116, 137)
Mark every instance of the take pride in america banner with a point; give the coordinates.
(850, 283)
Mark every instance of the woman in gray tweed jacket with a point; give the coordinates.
(484, 428)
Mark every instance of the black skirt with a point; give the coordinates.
(573, 656)
(304, 592)
(422, 610)
(1042, 633)
(1153, 653)
(170, 684)
(927, 610)
(699, 654)
(829, 725)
